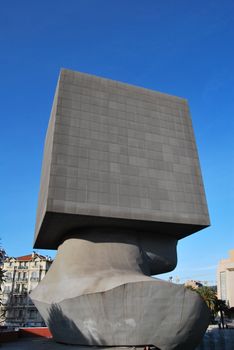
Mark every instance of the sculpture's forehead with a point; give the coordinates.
(120, 152)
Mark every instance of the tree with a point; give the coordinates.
(209, 296)
(215, 305)
(223, 309)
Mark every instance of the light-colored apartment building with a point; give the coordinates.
(225, 279)
(22, 274)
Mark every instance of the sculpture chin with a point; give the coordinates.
(98, 291)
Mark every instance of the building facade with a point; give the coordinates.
(22, 274)
(225, 279)
(193, 284)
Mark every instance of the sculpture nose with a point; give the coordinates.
(160, 252)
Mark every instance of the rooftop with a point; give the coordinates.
(29, 257)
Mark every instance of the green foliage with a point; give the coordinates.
(215, 305)
(209, 297)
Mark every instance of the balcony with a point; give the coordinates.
(17, 291)
(22, 267)
(15, 306)
(21, 280)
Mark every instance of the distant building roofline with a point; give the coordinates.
(29, 257)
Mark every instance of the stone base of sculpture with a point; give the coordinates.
(99, 292)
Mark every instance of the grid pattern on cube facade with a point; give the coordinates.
(122, 151)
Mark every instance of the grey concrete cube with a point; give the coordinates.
(118, 155)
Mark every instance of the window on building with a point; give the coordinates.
(223, 287)
(32, 314)
(8, 276)
(34, 276)
(24, 288)
(23, 264)
(17, 288)
(7, 289)
(4, 301)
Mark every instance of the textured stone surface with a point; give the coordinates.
(99, 292)
(114, 154)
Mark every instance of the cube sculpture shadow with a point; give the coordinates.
(120, 185)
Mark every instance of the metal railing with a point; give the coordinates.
(16, 291)
(22, 267)
(22, 279)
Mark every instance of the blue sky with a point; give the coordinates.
(174, 46)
